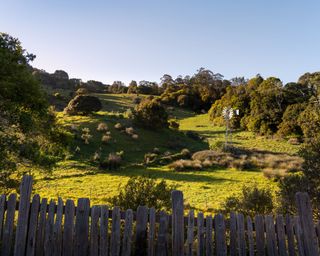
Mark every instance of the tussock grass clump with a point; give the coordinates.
(118, 126)
(275, 174)
(112, 162)
(86, 136)
(135, 136)
(186, 165)
(185, 152)
(130, 131)
(102, 127)
(106, 139)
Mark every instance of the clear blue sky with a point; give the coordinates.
(144, 39)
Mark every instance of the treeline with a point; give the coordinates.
(266, 106)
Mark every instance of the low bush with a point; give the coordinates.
(112, 162)
(83, 105)
(174, 125)
(186, 153)
(102, 127)
(135, 136)
(144, 191)
(86, 136)
(106, 139)
(252, 201)
(186, 165)
(118, 126)
(130, 131)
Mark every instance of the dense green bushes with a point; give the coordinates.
(28, 133)
(144, 191)
(267, 107)
(150, 114)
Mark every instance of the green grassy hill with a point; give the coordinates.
(205, 190)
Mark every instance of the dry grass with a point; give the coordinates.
(118, 126)
(130, 131)
(102, 127)
(106, 139)
(186, 165)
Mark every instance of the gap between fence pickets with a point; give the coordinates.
(123, 216)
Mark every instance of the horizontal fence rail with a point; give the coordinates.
(34, 226)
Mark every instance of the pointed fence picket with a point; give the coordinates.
(31, 226)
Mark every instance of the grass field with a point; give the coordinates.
(204, 190)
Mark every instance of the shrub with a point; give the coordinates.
(186, 165)
(118, 126)
(150, 157)
(186, 152)
(83, 104)
(150, 114)
(129, 131)
(252, 200)
(112, 162)
(96, 156)
(82, 91)
(86, 136)
(106, 139)
(135, 136)
(174, 125)
(136, 100)
(144, 191)
(102, 127)
(193, 135)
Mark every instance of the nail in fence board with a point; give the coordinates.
(209, 243)
(200, 235)
(141, 231)
(82, 227)
(127, 236)
(94, 230)
(241, 235)
(233, 234)
(220, 235)
(31, 240)
(103, 246)
(68, 231)
(310, 240)
(281, 236)
(41, 227)
(260, 235)
(190, 233)
(23, 216)
(152, 230)
(7, 237)
(250, 236)
(177, 223)
(271, 236)
(115, 232)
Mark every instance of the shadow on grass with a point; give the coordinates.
(168, 175)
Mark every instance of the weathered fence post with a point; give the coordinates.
(23, 217)
(152, 230)
(190, 234)
(200, 235)
(260, 237)
(94, 230)
(8, 226)
(162, 242)
(290, 235)
(82, 227)
(220, 235)
(32, 233)
(309, 236)
(177, 223)
(2, 209)
(250, 236)
(115, 232)
(68, 231)
(104, 216)
(271, 236)
(209, 243)
(127, 236)
(41, 227)
(141, 231)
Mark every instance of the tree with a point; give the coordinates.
(83, 105)
(151, 114)
(266, 107)
(133, 87)
(28, 133)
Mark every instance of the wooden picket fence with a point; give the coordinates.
(34, 227)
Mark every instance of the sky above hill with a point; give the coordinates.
(144, 39)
